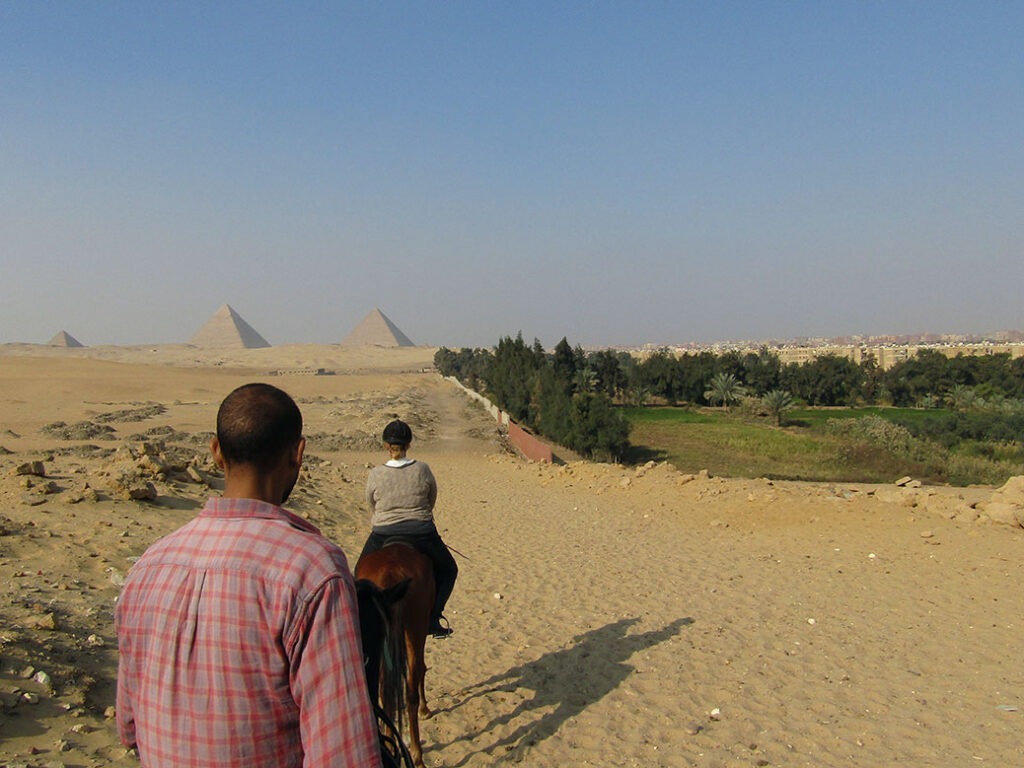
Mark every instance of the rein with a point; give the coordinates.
(453, 549)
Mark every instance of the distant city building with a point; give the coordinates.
(886, 351)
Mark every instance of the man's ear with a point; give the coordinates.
(296, 455)
(218, 457)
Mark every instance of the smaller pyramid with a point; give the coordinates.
(64, 339)
(227, 329)
(377, 330)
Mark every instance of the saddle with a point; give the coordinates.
(408, 541)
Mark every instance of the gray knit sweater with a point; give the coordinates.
(401, 495)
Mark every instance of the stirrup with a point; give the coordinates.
(440, 631)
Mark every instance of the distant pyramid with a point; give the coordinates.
(377, 330)
(64, 339)
(227, 329)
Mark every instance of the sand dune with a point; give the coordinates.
(604, 616)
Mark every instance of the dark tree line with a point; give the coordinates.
(555, 394)
(523, 379)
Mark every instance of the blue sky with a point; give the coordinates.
(618, 173)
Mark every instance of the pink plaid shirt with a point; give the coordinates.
(239, 646)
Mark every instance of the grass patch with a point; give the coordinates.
(817, 418)
(730, 446)
(735, 445)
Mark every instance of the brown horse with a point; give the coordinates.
(388, 567)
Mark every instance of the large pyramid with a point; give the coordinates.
(64, 339)
(227, 329)
(377, 330)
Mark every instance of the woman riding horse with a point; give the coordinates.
(401, 494)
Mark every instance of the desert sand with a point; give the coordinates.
(604, 615)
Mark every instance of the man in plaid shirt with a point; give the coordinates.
(238, 633)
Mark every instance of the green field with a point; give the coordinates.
(735, 445)
(817, 417)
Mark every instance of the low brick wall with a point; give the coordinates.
(531, 447)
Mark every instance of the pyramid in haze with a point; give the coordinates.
(227, 329)
(377, 330)
(64, 339)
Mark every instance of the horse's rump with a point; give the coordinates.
(397, 564)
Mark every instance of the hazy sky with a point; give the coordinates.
(618, 173)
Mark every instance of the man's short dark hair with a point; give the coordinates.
(257, 424)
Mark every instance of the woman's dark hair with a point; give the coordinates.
(256, 424)
(397, 433)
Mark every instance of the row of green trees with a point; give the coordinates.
(510, 373)
(555, 394)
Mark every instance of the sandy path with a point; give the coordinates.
(628, 615)
(630, 606)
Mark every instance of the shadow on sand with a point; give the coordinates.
(569, 680)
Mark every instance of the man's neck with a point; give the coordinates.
(242, 484)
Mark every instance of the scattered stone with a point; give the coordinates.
(27, 672)
(1004, 513)
(694, 728)
(36, 468)
(903, 481)
(62, 745)
(914, 484)
(151, 465)
(78, 495)
(116, 577)
(194, 475)
(715, 714)
(626, 482)
(703, 475)
(132, 414)
(45, 621)
(965, 513)
(131, 486)
(95, 641)
(142, 492)
(32, 499)
(48, 487)
(43, 679)
(80, 430)
(1012, 491)
(30, 698)
(110, 713)
(498, 596)
(684, 479)
(4, 451)
(926, 534)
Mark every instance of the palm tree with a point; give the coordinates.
(586, 380)
(724, 388)
(640, 395)
(963, 398)
(777, 402)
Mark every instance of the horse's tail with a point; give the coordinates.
(394, 666)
